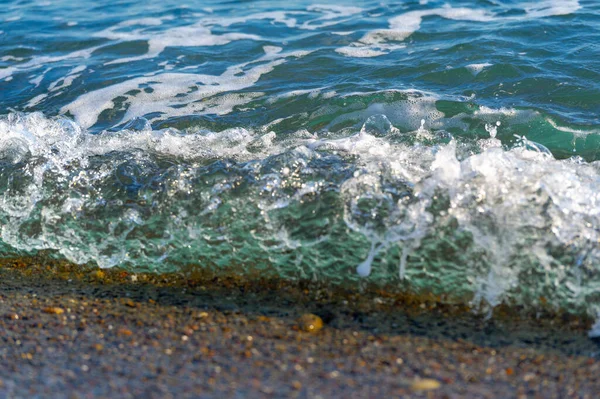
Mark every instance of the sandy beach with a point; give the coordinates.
(72, 332)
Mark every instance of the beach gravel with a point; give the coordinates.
(131, 338)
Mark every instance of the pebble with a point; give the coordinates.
(129, 302)
(425, 384)
(309, 322)
(53, 310)
(124, 331)
(99, 274)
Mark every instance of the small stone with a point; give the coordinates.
(297, 385)
(12, 316)
(309, 322)
(425, 384)
(98, 274)
(124, 331)
(53, 310)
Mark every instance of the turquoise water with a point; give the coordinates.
(445, 147)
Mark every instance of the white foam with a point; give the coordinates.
(11, 58)
(476, 69)
(55, 86)
(7, 72)
(328, 15)
(171, 95)
(408, 23)
(270, 50)
(38, 79)
(404, 25)
(37, 62)
(374, 43)
(575, 132)
(345, 33)
(194, 35)
(551, 8)
(36, 100)
(283, 17)
(360, 51)
(331, 15)
(67, 80)
(295, 93)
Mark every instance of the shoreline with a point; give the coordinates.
(72, 331)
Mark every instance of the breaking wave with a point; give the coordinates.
(421, 146)
(459, 206)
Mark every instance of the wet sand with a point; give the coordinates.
(73, 332)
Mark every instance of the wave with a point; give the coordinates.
(404, 201)
(272, 140)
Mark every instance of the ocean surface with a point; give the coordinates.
(445, 147)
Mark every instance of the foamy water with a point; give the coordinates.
(430, 147)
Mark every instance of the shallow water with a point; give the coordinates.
(436, 148)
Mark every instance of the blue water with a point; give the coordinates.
(440, 147)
